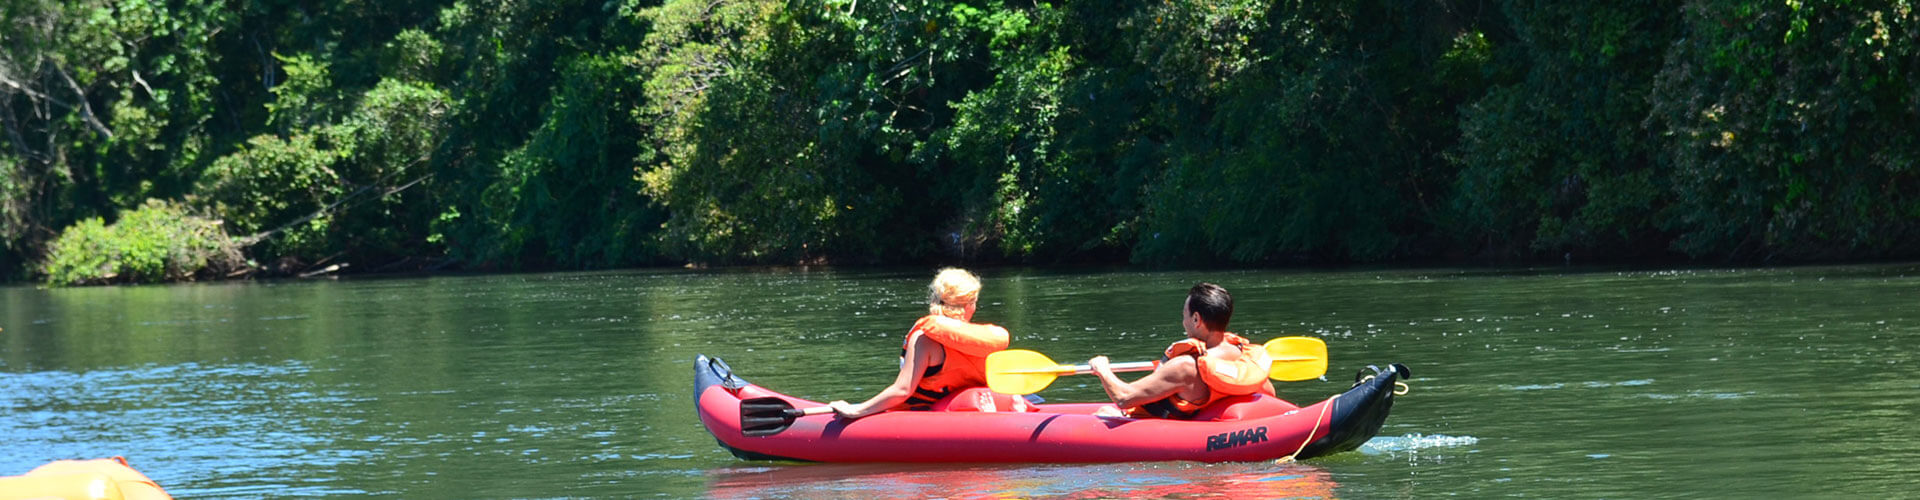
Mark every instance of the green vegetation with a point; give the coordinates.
(157, 242)
(415, 134)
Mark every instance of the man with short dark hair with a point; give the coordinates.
(1209, 365)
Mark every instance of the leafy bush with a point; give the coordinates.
(273, 182)
(160, 241)
(384, 146)
(568, 195)
(743, 169)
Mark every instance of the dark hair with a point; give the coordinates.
(1212, 303)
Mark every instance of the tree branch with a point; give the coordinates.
(24, 89)
(143, 83)
(250, 240)
(86, 109)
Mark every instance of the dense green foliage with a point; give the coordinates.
(159, 241)
(574, 134)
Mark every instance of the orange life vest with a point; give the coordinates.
(1243, 375)
(967, 346)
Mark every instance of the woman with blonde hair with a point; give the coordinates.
(944, 353)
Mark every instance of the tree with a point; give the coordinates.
(1788, 131)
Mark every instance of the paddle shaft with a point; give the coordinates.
(1057, 370)
(816, 410)
(1021, 371)
(1137, 366)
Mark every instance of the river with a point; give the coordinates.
(1555, 383)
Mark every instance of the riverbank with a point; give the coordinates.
(421, 268)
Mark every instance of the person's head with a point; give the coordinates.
(1207, 305)
(953, 294)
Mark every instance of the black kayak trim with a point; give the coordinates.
(709, 372)
(1359, 412)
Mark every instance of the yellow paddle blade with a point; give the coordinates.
(1297, 358)
(1020, 371)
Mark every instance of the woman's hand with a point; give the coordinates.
(1099, 364)
(844, 410)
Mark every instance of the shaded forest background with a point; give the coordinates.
(158, 140)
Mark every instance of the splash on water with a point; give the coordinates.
(1416, 442)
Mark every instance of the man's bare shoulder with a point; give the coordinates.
(1180, 369)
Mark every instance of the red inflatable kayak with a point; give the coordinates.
(753, 422)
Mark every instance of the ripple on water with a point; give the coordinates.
(1592, 384)
(1698, 395)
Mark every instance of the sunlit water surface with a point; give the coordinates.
(1553, 383)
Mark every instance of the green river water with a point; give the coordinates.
(1551, 383)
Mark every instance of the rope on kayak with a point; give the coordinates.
(1324, 408)
(1399, 389)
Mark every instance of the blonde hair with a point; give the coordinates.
(953, 289)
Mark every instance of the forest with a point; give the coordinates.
(151, 141)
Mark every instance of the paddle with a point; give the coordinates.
(1020, 371)
(1297, 358)
(770, 415)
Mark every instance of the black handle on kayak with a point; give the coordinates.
(770, 415)
(1396, 368)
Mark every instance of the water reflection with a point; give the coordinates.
(1155, 480)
